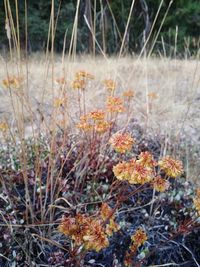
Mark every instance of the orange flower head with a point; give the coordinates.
(141, 174)
(129, 94)
(153, 95)
(115, 104)
(146, 159)
(139, 237)
(3, 126)
(97, 115)
(133, 172)
(102, 127)
(80, 75)
(84, 124)
(133, 247)
(58, 102)
(128, 259)
(112, 227)
(121, 142)
(106, 211)
(84, 230)
(123, 170)
(110, 84)
(13, 82)
(95, 237)
(79, 84)
(84, 117)
(86, 127)
(70, 228)
(160, 184)
(170, 166)
(60, 80)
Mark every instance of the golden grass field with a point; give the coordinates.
(167, 94)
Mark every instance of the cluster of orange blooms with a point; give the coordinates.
(152, 95)
(58, 102)
(90, 232)
(138, 239)
(115, 104)
(81, 79)
(110, 84)
(3, 126)
(80, 75)
(122, 143)
(60, 80)
(13, 82)
(142, 170)
(129, 94)
(139, 171)
(196, 201)
(84, 124)
(170, 166)
(134, 171)
(79, 84)
(98, 115)
(94, 120)
(160, 184)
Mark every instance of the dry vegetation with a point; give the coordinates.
(86, 143)
(99, 157)
(172, 111)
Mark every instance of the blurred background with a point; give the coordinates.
(175, 24)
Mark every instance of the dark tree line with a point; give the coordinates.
(107, 20)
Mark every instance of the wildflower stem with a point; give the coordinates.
(152, 201)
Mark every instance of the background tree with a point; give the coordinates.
(108, 19)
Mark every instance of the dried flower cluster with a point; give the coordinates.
(81, 78)
(152, 95)
(142, 170)
(110, 84)
(97, 115)
(79, 84)
(13, 82)
(94, 120)
(115, 104)
(129, 94)
(136, 171)
(3, 126)
(84, 124)
(107, 215)
(160, 184)
(171, 167)
(90, 232)
(121, 142)
(138, 239)
(60, 80)
(146, 159)
(59, 102)
(133, 171)
(81, 75)
(86, 231)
